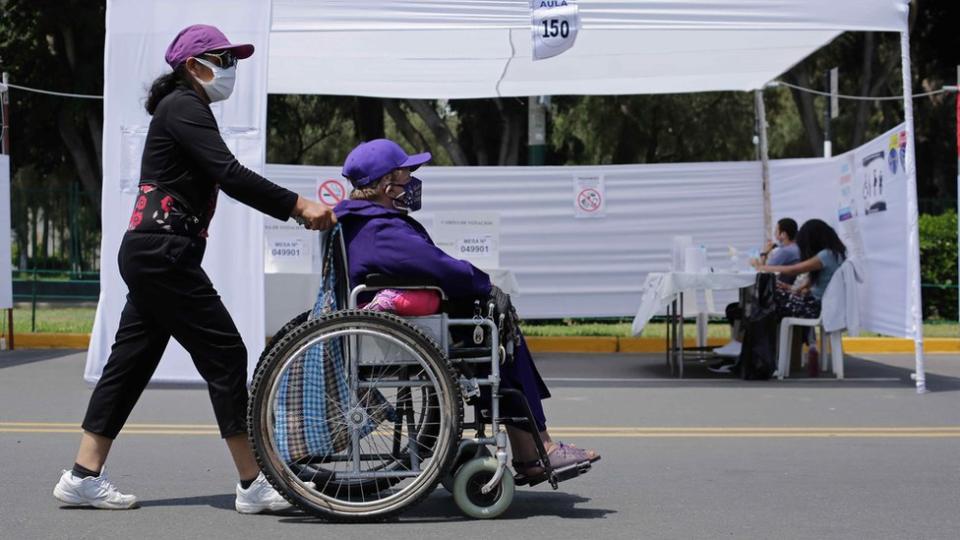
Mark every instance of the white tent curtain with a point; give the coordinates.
(569, 267)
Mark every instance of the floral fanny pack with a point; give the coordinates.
(158, 212)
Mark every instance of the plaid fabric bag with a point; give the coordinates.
(313, 392)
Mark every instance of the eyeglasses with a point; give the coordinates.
(224, 59)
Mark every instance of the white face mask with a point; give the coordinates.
(220, 86)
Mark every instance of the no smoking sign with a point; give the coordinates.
(331, 192)
(589, 194)
(589, 200)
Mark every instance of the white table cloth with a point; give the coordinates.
(661, 288)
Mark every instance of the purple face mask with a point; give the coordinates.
(410, 199)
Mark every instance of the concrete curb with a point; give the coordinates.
(599, 344)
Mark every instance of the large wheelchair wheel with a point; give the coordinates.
(355, 415)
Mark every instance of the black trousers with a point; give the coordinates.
(169, 295)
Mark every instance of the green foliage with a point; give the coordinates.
(711, 126)
(315, 130)
(938, 264)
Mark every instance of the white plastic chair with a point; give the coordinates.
(833, 359)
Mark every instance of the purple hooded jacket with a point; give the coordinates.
(381, 240)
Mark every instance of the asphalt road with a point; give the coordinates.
(705, 457)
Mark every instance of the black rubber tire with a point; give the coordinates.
(284, 330)
(295, 338)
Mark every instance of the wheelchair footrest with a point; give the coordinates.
(572, 471)
(567, 473)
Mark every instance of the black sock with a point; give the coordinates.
(80, 471)
(245, 484)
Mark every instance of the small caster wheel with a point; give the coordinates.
(467, 486)
(468, 453)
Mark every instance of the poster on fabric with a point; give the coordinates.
(555, 24)
(6, 283)
(132, 140)
(287, 252)
(589, 196)
(850, 206)
(473, 237)
(870, 214)
(880, 182)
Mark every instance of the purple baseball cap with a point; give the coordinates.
(200, 38)
(370, 160)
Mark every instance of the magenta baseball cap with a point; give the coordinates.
(200, 38)
(370, 160)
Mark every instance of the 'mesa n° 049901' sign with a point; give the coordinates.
(555, 24)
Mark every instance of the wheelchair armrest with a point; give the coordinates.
(379, 281)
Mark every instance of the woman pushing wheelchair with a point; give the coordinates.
(382, 238)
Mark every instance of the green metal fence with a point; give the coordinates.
(42, 286)
(55, 227)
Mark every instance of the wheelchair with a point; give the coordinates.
(358, 415)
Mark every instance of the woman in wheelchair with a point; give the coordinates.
(382, 238)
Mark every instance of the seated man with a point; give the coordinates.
(783, 253)
(382, 238)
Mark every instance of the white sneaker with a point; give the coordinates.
(259, 497)
(730, 350)
(97, 492)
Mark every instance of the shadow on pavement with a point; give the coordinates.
(222, 501)
(650, 370)
(29, 356)
(440, 507)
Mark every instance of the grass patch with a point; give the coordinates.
(54, 320)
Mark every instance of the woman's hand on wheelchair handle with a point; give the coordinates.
(313, 215)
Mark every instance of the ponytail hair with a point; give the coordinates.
(163, 85)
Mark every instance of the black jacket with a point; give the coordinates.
(186, 158)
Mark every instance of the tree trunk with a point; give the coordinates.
(480, 148)
(863, 107)
(409, 131)
(440, 129)
(86, 168)
(87, 161)
(808, 113)
(45, 239)
(368, 118)
(513, 154)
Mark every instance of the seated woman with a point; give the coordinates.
(382, 238)
(821, 254)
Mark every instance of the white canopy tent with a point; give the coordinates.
(473, 49)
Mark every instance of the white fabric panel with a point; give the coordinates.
(6, 284)
(471, 62)
(797, 187)
(483, 48)
(569, 267)
(138, 33)
(826, 188)
(390, 15)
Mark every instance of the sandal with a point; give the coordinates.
(561, 455)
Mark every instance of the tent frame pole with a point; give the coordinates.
(5, 149)
(761, 113)
(915, 317)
